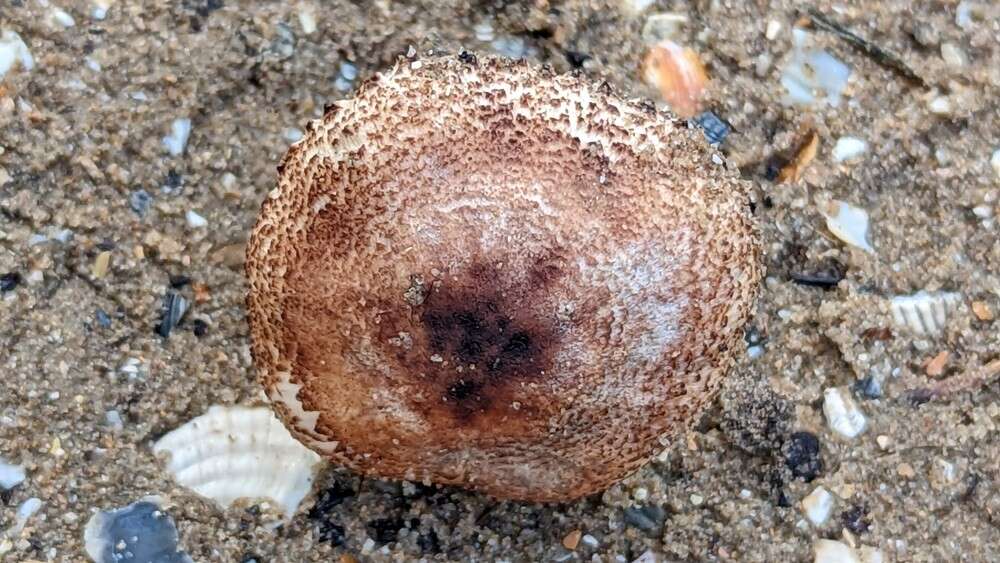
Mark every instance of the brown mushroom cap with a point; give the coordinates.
(478, 273)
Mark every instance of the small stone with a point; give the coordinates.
(292, 134)
(802, 455)
(994, 161)
(174, 308)
(953, 55)
(848, 148)
(830, 551)
(572, 539)
(368, 547)
(9, 281)
(176, 141)
(943, 472)
(905, 470)
(935, 366)
(982, 311)
(307, 20)
(194, 220)
(842, 413)
(10, 475)
(940, 105)
(101, 264)
(773, 28)
(713, 126)
(142, 530)
(62, 18)
(13, 51)
(590, 541)
(140, 201)
(847, 223)
(697, 500)
(817, 506)
(883, 441)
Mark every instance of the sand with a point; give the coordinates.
(87, 260)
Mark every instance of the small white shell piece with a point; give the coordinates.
(236, 452)
(923, 313)
(848, 223)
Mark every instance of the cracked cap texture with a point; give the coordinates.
(476, 272)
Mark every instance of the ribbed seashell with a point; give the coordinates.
(923, 313)
(239, 452)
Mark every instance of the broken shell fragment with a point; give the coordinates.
(848, 223)
(238, 452)
(480, 273)
(923, 313)
(140, 531)
(678, 74)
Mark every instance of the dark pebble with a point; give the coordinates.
(199, 327)
(174, 307)
(646, 518)
(384, 530)
(179, 281)
(174, 180)
(856, 519)
(102, 318)
(140, 201)
(576, 58)
(715, 128)
(868, 388)
(802, 455)
(9, 281)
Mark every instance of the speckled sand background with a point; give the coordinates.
(88, 384)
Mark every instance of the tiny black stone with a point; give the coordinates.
(174, 179)
(576, 58)
(428, 542)
(868, 388)
(140, 201)
(251, 558)
(106, 245)
(9, 281)
(802, 455)
(384, 530)
(856, 519)
(199, 327)
(179, 281)
(715, 128)
(332, 533)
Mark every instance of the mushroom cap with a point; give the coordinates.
(479, 273)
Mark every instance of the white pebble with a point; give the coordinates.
(10, 475)
(26, 510)
(92, 64)
(640, 494)
(773, 28)
(994, 160)
(307, 20)
(590, 541)
(368, 547)
(842, 413)
(812, 71)
(114, 420)
(754, 352)
(292, 134)
(848, 223)
(195, 221)
(177, 140)
(100, 10)
(830, 551)
(953, 55)
(62, 18)
(697, 500)
(848, 148)
(745, 493)
(940, 105)
(348, 71)
(982, 211)
(13, 50)
(817, 506)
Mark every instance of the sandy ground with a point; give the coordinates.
(81, 133)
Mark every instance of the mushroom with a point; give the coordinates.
(480, 273)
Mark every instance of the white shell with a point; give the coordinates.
(818, 505)
(848, 148)
(842, 413)
(848, 223)
(238, 452)
(923, 313)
